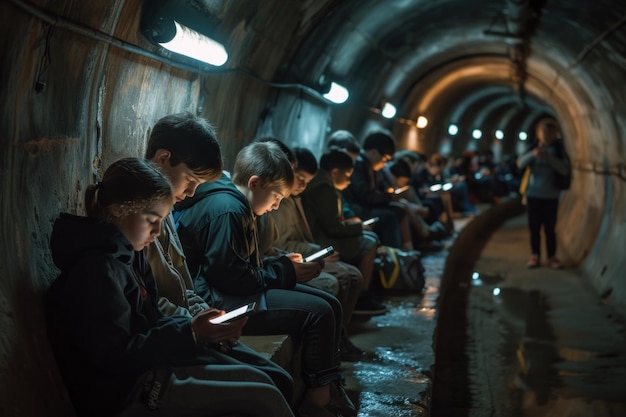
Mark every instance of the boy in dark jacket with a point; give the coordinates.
(367, 196)
(217, 228)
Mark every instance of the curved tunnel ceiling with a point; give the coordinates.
(435, 58)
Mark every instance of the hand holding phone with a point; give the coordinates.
(320, 254)
(401, 189)
(370, 221)
(237, 313)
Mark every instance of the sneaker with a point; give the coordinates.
(554, 263)
(437, 231)
(308, 409)
(367, 305)
(533, 262)
(340, 400)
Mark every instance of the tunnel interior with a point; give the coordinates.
(83, 84)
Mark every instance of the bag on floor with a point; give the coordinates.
(399, 270)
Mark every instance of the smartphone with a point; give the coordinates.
(370, 221)
(320, 254)
(401, 189)
(237, 313)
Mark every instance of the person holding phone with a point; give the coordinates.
(217, 227)
(545, 161)
(322, 207)
(117, 353)
(185, 147)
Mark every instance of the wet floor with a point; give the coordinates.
(511, 341)
(397, 383)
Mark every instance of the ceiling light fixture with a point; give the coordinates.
(337, 94)
(179, 28)
(422, 122)
(195, 45)
(389, 110)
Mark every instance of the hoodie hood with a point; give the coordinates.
(74, 235)
(222, 185)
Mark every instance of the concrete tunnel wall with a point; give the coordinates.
(100, 102)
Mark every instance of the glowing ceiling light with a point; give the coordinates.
(523, 135)
(499, 134)
(190, 43)
(447, 186)
(337, 94)
(453, 129)
(389, 110)
(477, 134)
(422, 122)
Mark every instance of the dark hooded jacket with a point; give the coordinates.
(321, 203)
(366, 188)
(102, 316)
(218, 231)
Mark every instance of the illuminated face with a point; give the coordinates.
(402, 181)
(266, 197)
(341, 178)
(184, 180)
(378, 161)
(301, 180)
(142, 228)
(433, 169)
(547, 132)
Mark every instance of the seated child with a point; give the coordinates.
(292, 234)
(217, 228)
(118, 355)
(321, 201)
(368, 197)
(185, 147)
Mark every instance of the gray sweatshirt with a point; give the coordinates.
(542, 173)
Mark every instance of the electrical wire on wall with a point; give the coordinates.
(59, 22)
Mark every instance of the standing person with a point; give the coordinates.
(546, 161)
(185, 147)
(117, 354)
(218, 230)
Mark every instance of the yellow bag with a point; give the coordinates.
(523, 185)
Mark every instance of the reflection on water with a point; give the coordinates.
(544, 368)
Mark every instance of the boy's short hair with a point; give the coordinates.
(382, 141)
(409, 155)
(267, 161)
(305, 161)
(191, 140)
(336, 158)
(288, 152)
(343, 139)
(400, 168)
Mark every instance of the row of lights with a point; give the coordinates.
(188, 42)
(477, 133)
(389, 111)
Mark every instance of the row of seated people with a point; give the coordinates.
(487, 181)
(129, 317)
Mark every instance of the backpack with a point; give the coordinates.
(400, 270)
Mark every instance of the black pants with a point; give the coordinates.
(542, 212)
(312, 316)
